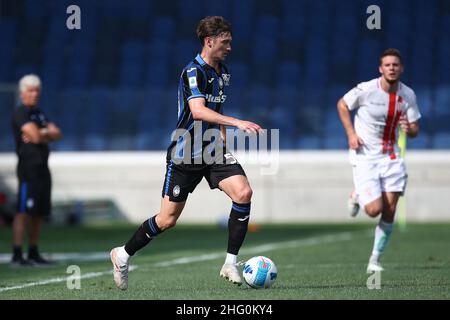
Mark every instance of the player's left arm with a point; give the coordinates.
(410, 128)
(409, 119)
(223, 134)
(53, 132)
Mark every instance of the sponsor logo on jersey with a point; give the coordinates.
(216, 99)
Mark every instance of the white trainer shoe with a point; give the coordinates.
(231, 273)
(352, 204)
(374, 267)
(120, 271)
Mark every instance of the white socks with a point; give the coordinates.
(231, 258)
(122, 255)
(382, 234)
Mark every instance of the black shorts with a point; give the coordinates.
(181, 179)
(34, 196)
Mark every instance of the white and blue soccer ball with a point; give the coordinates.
(260, 272)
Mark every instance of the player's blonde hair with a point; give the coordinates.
(29, 80)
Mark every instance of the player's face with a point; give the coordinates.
(30, 96)
(391, 68)
(221, 46)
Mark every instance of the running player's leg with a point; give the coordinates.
(393, 184)
(370, 194)
(231, 179)
(383, 230)
(368, 188)
(166, 218)
(239, 190)
(178, 183)
(149, 229)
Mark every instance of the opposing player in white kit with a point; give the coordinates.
(379, 174)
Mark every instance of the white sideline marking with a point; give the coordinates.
(61, 279)
(65, 256)
(344, 236)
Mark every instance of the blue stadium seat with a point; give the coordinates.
(185, 51)
(289, 75)
(94, 142)
(370, 50)
(24, 69)
(332, 124)
(293, 22)
(310, 120)
(265, 47)
(441, 140)
(36, 9)
(259, 102)
(442, 100)
(242, 19)
(156, 74)
(308, 142)
(138, 10)
(97, 108)
(111, 8)
(240, 74)
(159, 52)
(218, 8)
(424, 97)
(422, 141)
(8, 34)
(336, 142)
(300, 57)
(163, 29)
(189, 9)
(236, 104)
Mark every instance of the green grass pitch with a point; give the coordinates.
(314, 262)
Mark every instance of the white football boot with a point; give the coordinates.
(352, 204)
(374, 265)
(230, 272)
(120, 271)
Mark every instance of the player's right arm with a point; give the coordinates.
(354, 141)
(194, 83)
(32, 134)
(201, 112)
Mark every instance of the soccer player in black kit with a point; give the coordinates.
(201, 95)
(32, 133)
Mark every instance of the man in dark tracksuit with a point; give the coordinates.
(32, 132)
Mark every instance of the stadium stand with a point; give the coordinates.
(112, 85)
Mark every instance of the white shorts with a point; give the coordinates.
(373, 178)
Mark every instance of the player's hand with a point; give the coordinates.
(248, 126)
(404, 124)
(25, 138)
(354, 142)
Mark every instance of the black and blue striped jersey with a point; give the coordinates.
(198, 79)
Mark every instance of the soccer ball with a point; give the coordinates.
(260, 272)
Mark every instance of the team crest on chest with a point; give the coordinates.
(226, 79)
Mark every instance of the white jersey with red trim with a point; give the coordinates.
(377, 116)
